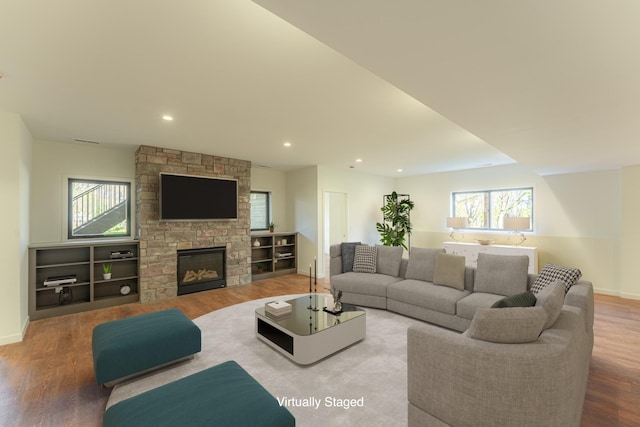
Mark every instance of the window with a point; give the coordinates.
(99, 208)
(487, 209)
(260, 210)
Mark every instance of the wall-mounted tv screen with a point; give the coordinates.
(187, 197)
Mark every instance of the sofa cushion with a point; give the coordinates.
(551, 298)
(550, 273)
(348, 251)
(365, 259)
(525, 299)
(501, 274)
(363, 283)
(507, 325)
(467, 306)
(425, 294)
(388, 260)
(449, 270)
(421, 264)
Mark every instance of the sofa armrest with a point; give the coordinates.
(462, 381)
(581, 295)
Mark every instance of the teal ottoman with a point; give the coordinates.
(224, 395)
(126, 347)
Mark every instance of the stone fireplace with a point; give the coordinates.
(160, 241)
(201, 269)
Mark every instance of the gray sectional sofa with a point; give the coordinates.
(480, 366)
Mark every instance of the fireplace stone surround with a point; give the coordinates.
(161, 240)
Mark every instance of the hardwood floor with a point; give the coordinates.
(47, 380)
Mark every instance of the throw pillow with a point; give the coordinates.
(388, 260)
(449, 270)
(550, 273)
(421, 263)
(501, 274)
(348, 250)
(365, 259)
(551, 298)
(509, 325)
(525, 299)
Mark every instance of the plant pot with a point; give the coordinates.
(106, 276)
(271, 230)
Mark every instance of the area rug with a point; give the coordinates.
(364, 384)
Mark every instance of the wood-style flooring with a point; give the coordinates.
(47, 380)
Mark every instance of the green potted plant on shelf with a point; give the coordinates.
(260, 268)
(106, 270)
(272, 227)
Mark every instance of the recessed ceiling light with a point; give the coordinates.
(167, 118)
(399, 170)
(287, 144)
(358, 160)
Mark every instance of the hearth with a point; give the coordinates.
(201, 269)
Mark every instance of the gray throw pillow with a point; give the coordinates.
(550, 273)
(388, 260)
(348, 250)
(501, 274)
(422, 263)
(510, 325)
(449, 271)
(551, 298)
(365, 259)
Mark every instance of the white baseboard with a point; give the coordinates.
(11, 339)
(616, 293)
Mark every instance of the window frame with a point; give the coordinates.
(268, 210)
(69, 207)
(490, 209)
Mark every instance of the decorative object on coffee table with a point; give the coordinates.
(337, 305)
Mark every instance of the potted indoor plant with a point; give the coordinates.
(396, 225)
(260, 268)
(106, 270)
(272, 227)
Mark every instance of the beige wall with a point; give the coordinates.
(53, 164)
(577, 217)
(302, 211)
(364, 197)
(630, 233)
(15, 171)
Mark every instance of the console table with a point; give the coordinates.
(471, 250)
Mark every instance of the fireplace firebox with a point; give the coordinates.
(201, 269)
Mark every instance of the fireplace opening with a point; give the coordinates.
(201, 269)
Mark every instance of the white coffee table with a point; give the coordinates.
(306, 336)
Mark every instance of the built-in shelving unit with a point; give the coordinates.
(273, 254)
(82, 262)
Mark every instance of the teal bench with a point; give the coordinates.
(127, 347)
(224, 395)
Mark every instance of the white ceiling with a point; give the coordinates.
(552, 85)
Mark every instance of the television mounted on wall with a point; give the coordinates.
(190, 197)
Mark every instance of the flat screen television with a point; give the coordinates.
(188, 197)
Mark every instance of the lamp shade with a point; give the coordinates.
(457, 222)
(517, 223)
